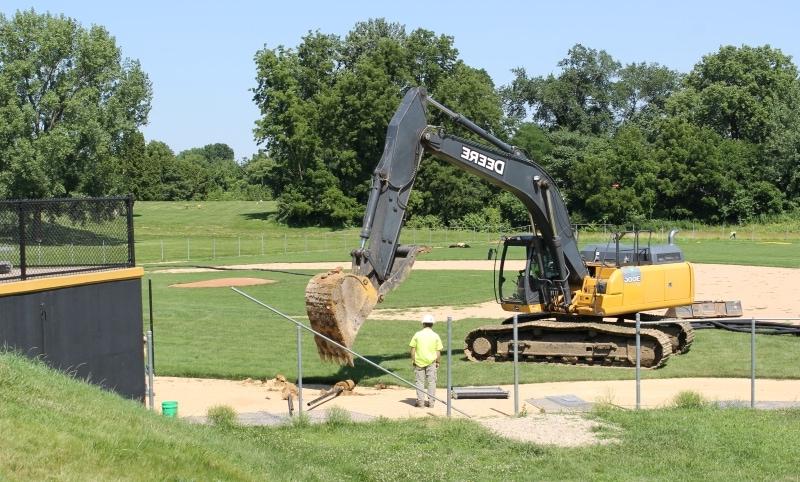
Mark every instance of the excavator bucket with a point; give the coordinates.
(337, 304)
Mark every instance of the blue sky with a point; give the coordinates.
(199, 54)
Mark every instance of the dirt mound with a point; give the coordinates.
(224, 283)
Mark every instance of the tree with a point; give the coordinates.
(69, 107)
(751, 94)
(642, 90)
(578, 99)
(744, 92)
(326, 104)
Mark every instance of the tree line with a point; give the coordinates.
(625, 142)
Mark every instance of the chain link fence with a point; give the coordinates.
(52, 237)
(297, 242)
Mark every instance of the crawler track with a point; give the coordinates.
(570, 342)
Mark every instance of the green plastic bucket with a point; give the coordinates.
(169, 409)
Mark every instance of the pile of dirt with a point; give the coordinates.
(224, 283)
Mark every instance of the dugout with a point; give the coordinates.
(71, 293)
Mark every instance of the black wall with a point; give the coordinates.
(93, 332)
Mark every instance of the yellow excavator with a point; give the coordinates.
(572, 306)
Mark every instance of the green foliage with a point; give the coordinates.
(428, 221)
(325, 106)
(337, 417)
(689, 400)
(70, 109)
(635, 142)
(222, 416)
(533, 140)
(750, 94)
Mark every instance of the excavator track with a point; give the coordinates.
(680, 333)
(570, 342)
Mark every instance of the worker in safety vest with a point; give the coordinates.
(426, 349)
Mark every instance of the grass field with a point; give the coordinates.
(228, 232)
(215, 332)
(67, 430)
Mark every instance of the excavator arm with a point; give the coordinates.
(337, 303)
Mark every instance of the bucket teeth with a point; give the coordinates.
(337, 305)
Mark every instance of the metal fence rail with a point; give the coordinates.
(53, 237)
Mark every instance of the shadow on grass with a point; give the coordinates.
(262, 216)
(361, 370)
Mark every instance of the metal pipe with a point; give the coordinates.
(152, 332)
(753, 363)
(516, 366)
(449, 365)
(300, 369)
(23, 262)
(671, 236)
(460, 119)
(129, 222)
(638, 362)
(150, 392)
(370, 362)
(333, 393)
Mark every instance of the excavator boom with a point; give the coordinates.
(338, 303)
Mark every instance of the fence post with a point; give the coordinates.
(449, 365)
(752, 363)
(131, 241)
(638, 362)
(300, 369)
(23, 262)
(150, 392)
(516, 366)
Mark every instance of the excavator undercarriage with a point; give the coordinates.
(579, 342)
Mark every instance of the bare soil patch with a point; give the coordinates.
(224, 283)
(549, 429)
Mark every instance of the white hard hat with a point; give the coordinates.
(428, 319)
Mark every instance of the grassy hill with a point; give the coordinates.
(56, 428)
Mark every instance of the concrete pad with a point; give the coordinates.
(561, 404)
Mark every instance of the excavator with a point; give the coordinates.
(572, 306)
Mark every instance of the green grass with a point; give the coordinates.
(749, 253)
(236, 232)
(60, 429)
(214, 332)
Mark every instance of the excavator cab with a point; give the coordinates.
(527, 275)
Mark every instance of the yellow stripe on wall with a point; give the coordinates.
(43, 284)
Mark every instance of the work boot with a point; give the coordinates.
(419, 404)
(429, 404)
